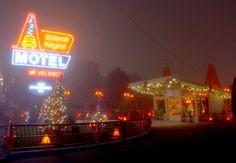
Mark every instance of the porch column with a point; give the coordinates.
(166, 117)
(154, 102)
(196, 109)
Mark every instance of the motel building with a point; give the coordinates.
(177, 100)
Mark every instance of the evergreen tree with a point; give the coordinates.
(115, 84)
(54, 109)
(211, 78)
(233, 97)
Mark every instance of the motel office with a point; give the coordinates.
(177, 100)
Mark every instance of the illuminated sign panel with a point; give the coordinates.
(56, 41)
(30, 52)
(29, 38)
(39, 59)
(45, 73)
(40, 88)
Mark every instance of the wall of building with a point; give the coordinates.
(216, 104)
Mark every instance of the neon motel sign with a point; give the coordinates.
(39, 59)
(44, 50)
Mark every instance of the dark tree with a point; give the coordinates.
(83, 78)
(115, 84)
(134, 77)
(233, 97)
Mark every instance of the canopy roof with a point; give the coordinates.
(154, 86)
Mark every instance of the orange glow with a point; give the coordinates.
(56, 41)
(203, 111)
(122, 118)
(29, 38)
(202, 94)
(188, 101)
(45, 73)
(129, 95)
(67, 93)
(116, 133)
(99, 93)
(46, 140)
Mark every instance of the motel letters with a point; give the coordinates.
(39, 59)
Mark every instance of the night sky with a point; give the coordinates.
(140, 36)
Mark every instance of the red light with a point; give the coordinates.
(78, 114)
(91, 124)
(210, 119)
(45, 73)
(22, 115)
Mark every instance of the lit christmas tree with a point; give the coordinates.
(54, 109)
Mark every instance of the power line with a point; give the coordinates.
(180, 60)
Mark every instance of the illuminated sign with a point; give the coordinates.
(56, 41)
(40, 88)
(45, 73)
(29, 38)
(30, 52)
(39, 59)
